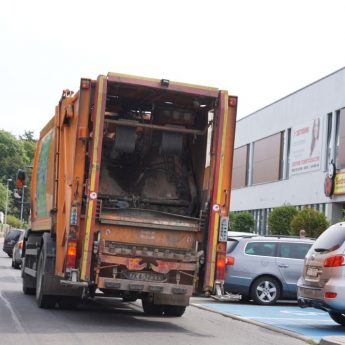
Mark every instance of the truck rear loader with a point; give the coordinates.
(130, 194)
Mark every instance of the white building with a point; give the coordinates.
(283, 152)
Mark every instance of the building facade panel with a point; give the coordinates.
(310, 124)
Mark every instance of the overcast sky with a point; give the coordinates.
(258, 50)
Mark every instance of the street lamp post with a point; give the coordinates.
(22, 205)
(6, 204)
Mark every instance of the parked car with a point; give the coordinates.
(322, 285)
(17, 252)
(265, 269)
(11, 238)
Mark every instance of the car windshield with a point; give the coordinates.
(13, 234)
(330, 240)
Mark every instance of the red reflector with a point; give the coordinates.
(232, 101)
(334, 261)
(221, 247)
(230, 260)
(330, 295)
(220, 267)
(71, 254)
(85, 84)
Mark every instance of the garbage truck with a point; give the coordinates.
(130, 194)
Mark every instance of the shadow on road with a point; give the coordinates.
(100, 315)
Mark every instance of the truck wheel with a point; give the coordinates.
(150, 308)
(174, 310)
(27, 285)
(337, 317)
(43, 300)
(68, 302)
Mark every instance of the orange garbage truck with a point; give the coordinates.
(130, 194)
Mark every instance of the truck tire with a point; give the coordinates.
(174, 310)
(43, 300)
(337, 317)
(68, 302)
(27, 285)
(150, 308)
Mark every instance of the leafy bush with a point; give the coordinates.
(279, 220)
(13, 221)
(241, 221)
(342, 219)
(312, 221)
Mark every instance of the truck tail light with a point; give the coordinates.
(330, 295)
(71, 254)
(220, 268)
(335, 261)
(230, 260)
(20, 245)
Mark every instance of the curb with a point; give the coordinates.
(333, 340)
(264, 325)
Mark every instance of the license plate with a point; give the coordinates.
(147, 276)
(312, 271)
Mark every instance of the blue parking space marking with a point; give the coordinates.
(312, 323)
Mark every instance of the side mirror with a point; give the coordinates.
(20, 179)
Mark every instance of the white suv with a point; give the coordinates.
(322, 285)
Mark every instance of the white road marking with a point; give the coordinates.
(286, 318)
(16, 321)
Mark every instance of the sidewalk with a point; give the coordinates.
(334, 340)
(311, 326)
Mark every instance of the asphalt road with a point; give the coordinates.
(109, 321)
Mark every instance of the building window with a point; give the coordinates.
(340, 139)
(240, 167)
(288, 147)
(267, 159)
(329, 140)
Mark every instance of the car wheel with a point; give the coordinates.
(265, 290)
(15, 263)
(337, 317)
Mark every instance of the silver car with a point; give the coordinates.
(17, 252)
(265, 269)
(322, 285)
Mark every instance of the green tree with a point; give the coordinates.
(279, 220)
(312, 221)
(241, 221)
(342, 219)
(2, 197)
(12, 155)
(13, 221)
(15, 154)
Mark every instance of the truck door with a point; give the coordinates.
(220, 174)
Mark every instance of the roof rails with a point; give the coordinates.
(289, 236)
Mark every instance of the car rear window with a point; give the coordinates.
(331, 239)
(231, 245)
(13, 234)
(261, 248)
(293, 250)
